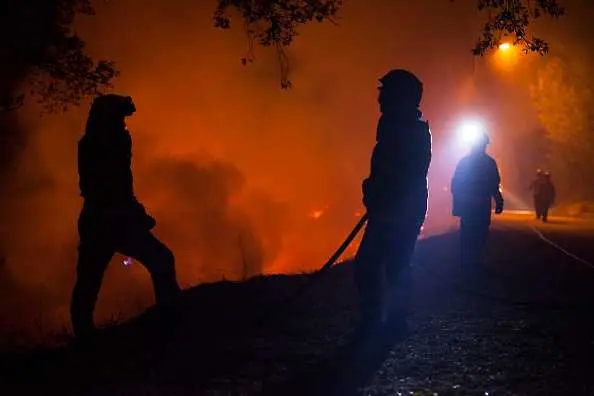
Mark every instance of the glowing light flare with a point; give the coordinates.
(318, 213)
(507, 56)
(504, 47)
(127, 261)
(470, 132)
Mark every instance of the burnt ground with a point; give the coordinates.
(522, 326)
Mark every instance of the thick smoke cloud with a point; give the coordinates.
(242, 177)
(210, 220)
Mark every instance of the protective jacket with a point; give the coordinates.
(397, 185)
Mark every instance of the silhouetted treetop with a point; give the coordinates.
(512, 18)
(41, 55)
(274, 23)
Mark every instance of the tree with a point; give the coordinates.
(512, 18)
(275, 23)
(564, 98)
(43, 57)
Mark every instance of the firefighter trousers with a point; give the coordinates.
(94, 254)
(385, 253)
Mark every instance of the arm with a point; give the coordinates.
(497, 191)
(455, 188)
(419, 160)
(460, 177)
(454, 184)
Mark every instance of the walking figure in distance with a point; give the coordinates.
(543, 192)
(395, 196)
(112, 220)
(476, 183)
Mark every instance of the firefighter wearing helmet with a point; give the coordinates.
(476, 183)
(395, 196)
(543, 193)
(112, 220)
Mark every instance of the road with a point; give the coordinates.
(522, 326)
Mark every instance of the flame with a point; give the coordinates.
(316, 214)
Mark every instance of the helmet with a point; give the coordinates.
(108, 111)
(404, 83)
(482, 140)
(400, 78)
(112, 105)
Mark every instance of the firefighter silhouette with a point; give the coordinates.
(395, 196)
(475, 184)
(112, 220)
(543, 192)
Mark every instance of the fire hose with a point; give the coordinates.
(345, 244)
(321, 271)
(560, 249)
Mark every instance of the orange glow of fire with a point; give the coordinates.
(351, 251)
(316, 214)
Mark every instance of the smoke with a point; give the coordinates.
(211, 220)
(231, 166)
(242, 177)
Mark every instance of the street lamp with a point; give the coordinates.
(508, 56)
(504, 47)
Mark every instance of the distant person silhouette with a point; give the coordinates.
(395, 196)
(112, 220)
(534, 187)
(543, 192)
(476, 183)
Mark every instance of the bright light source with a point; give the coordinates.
(504, 46)
(470, 132)
(127, 261)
